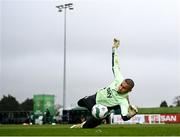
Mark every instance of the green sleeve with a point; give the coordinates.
(115, 66)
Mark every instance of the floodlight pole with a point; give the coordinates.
(61, 8)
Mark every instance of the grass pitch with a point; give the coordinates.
(103, 130)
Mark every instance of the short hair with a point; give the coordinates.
(130, 82)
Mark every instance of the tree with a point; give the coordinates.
(177, 101)
(164, 104)
(9, 103)
(27, 105)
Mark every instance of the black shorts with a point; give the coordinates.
(88, 102)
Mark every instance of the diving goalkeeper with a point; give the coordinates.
(114, 96)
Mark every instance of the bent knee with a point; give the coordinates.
(81, 103)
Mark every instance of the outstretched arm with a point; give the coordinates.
(128, 111)
(115, 61)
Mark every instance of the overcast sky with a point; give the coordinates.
(31, 52)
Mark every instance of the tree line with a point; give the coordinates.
(176, 102)
(9, 103)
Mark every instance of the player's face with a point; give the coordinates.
(124, 87)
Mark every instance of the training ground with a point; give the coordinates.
(103, 130)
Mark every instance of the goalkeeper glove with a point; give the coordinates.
(132, 110)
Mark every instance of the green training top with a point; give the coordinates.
(109, 95)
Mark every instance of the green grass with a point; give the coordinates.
(103, 130)
(159, 110)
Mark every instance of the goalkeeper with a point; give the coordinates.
(114, 96)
